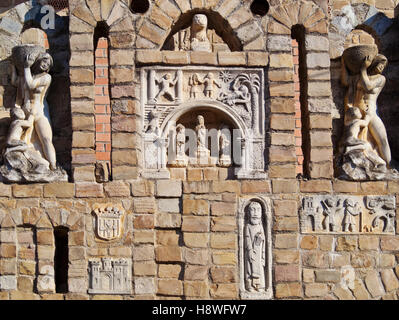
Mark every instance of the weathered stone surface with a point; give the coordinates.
(373, 284)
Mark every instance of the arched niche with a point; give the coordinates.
(264, 251)
(218, 120)
(216, 22)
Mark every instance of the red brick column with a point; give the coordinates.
(298, 114)
(102, 104)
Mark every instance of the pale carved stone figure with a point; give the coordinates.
(332, 214)
(210, 82)
(200, 129)
(35, 158)
(153, 125)
(199, 38)
(351, 210)
(255, 249)
(224, 147)
(165, 84)
(194, 83)
(370, 159)
(180, 146)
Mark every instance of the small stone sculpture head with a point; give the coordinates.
(354, 113)
(201, 120)
(330, 202)
(42, 64)
(255, 213)
(378, 65)
(17, 114)
(348, 203)
(200, 20)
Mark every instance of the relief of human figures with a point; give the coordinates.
(354, 214)
(30, 154)
(365, 149)
(166, 87)
(254, 249)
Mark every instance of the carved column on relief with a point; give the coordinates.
(341, 214)
(255, 248)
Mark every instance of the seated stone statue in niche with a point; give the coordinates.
(30, 155)
(199, 38)
(254, 249)
(365, 150)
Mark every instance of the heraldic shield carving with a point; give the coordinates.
(109, 221)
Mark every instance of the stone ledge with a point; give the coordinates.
(236, 58)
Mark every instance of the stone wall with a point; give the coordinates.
(181, 236)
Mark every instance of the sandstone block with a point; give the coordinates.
(168, 188)
(195, 224)
(223, 208)
(170, 287)
(288, 290)
(196, 256)
(286, 273)
(168, 254)
(195, 272)
(196, 240)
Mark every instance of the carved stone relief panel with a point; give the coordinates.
(229, 101)
(110, 276)
(255, 248)
(348, 214)
(109, 221)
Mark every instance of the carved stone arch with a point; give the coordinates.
(61, 217)
(303, 12)
(356, 16)
(216, 22)
(267, 221)
(184, 108)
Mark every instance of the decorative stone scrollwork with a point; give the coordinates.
(348, 214)
(255, 248)
(29, 155)
(109, 221)
(110, 276)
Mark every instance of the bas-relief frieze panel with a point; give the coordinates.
(348, 214)
(110, 276)
(236, 94)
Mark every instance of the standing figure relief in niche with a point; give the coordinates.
(254, 249)
(210, 82)
(194, 82)
(365, 151)
(351, 210)
(166, 87)
(181, 159)
(29, 155)
(200, 130)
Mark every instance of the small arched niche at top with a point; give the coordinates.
(260, 7)
(202, 30)
(139, 6)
